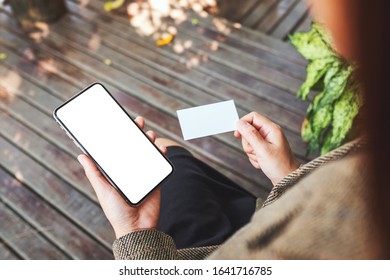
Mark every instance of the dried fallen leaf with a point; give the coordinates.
(178, 48)
(237, 25)
(107, 61)
(164, 40)
(214, 46)
(133, 9)
(194, 21)
(29, 54)
(187, 44)
(113, 5)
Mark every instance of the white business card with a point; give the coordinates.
(208, 119)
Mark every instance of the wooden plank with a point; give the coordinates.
(290, 21)
(254, 38)
(275, 15)
(55, 159)
(256, 88)
(37, 10)
(196, 79)
(226, 42)
(39, 122)
(242, 34)
(54, 226)
(230, 9)
(7, 253)
(190, 95)
(47, 149)
(263, 65)
(224, 56)
(56, 186)
(258, 13)
(304, 25)
(125, 31)
(25, 239)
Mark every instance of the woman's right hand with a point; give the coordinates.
(266, 146)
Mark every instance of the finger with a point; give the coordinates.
(255, 164)
(163, 149)
(264, 125)
(248, 149)
(253, 157)
(140, 122)
(237, 134)
(252, 136)
(95, 177)
(151, 135)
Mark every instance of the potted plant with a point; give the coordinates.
(331, 114)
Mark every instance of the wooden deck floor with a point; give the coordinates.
(48, 210)
(277, 18)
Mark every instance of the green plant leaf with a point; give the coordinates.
(337, 101)
(345, 111)
(307, 131)
(323, 34)
(311, 44)
(335, 85)
(315, 71)
(322, 118)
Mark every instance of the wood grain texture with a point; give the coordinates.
(275, 15)
(277, 18)
(290, 21)
(38, 10)
(7, 253)
(25, 239)
(53, 225)
(259, 12)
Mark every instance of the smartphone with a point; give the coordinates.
(104, 131)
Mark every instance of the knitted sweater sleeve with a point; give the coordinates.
(155, 245)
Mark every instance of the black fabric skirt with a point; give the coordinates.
(199, 205)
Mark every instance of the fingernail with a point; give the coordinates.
(80, 158)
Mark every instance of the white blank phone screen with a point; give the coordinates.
(115, 142)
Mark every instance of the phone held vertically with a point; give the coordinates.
(104, 131)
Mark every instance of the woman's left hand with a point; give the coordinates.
(266, 146)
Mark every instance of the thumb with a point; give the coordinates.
(251, 135)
